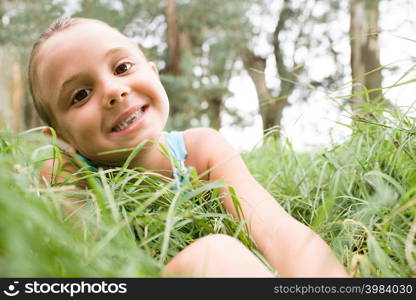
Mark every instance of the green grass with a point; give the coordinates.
(133, 224)
(360, 196)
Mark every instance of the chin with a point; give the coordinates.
(153, 134)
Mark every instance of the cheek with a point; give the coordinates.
(81, 126)
(152, 87)
(163, 100)
(166, 112)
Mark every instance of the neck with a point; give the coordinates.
(152, 158)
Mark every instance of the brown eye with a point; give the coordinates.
(121, 68)
(80, 95)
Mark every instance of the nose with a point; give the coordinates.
(115, 92)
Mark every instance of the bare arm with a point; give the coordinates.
(290, 247)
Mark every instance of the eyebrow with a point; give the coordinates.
(75, 77)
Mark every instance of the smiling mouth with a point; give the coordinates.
(129, 120)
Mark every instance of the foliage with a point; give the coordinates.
(21, 25)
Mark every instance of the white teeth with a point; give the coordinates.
(129, 120)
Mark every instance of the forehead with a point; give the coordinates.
(83, 39)
(65, 52)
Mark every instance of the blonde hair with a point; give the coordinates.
(58, 25)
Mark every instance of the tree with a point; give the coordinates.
(365, 53)
(271, 108)
(299, 28)
(20, 25)
(203, 42)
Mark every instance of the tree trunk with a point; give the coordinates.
(215, 108)
(286, 75)
(173, 39)
(271, 108)
(178, 42)
(365, 53)
(270, 113)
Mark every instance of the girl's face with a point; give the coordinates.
(101, 91)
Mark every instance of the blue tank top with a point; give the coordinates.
(177, 150)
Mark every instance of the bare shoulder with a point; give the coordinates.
(201, 140)
(204, 145)
(201, 134)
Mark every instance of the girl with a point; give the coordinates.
(98, 91)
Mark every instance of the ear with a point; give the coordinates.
(154, 67)
(64, 145)
(48, 131)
